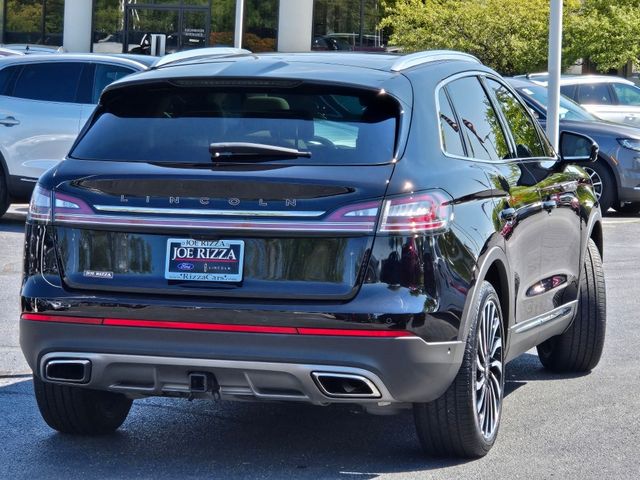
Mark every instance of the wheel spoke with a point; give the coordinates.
(497, 344)
(480, 364)
(488, 412)
(494, 384)
(482, 354)
(486, 322)
(480, 401)
(494, 413)
(495, 365)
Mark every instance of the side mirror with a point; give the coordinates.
(577, 148)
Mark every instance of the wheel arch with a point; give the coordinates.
(609, 164)
(497, 276)
(493, 268)
(596, 236)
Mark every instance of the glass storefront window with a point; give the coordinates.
(53, 22)
(24, 21)
(223, 15)
(187, 23)
(126, 27)
(32, 21)
(108, 26)
(346, 25)
(260, 25)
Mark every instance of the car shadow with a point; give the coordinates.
(526, 368)
(13, 220)
(168, 438)
(165, 438)
(616, 214)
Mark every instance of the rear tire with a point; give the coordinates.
(79, 410)
(464, 421)
(579, 348)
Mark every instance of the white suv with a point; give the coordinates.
(608, 97)
(44, 102)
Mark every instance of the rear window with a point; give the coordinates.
(177, 124)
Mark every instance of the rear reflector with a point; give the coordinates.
(215, 327)
(354, 333)
(36, 317)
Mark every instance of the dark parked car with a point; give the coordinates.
(324, 228)
(616, 174)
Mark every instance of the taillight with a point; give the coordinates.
(360, 212)
(40, 206)
(416, 213)
(65, 204)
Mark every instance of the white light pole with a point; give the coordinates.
(555, 65)
(237, 37)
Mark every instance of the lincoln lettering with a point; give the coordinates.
(182, 253)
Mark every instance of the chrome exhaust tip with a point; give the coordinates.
(67, 371)
(344, 385)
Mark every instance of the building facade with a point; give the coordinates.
(123, 25)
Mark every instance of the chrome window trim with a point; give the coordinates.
(475, 73)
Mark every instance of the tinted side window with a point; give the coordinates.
(7, 79)
(106, 74)
(449, 128)
(53, 82)
(594, 94)
(569, 91)
(479, 123)
(524, 131)
(627, 94)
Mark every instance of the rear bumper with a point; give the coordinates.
(247, 366)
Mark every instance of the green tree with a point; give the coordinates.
(606, 32)
(509, 35)
(24, 15)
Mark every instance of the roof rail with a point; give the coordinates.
(418, 58)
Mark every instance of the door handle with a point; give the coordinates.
(9, 121)
(508, 214)
(549, 205)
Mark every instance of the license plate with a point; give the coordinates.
(204, 260)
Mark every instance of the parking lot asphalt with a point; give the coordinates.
(566, 427)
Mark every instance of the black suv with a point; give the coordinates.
(381, 230)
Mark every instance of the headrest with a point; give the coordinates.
(265, 104)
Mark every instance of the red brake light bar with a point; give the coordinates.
(215, 327)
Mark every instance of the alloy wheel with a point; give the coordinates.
(489, 370)
(596, 180)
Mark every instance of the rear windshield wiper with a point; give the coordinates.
(221, 151)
